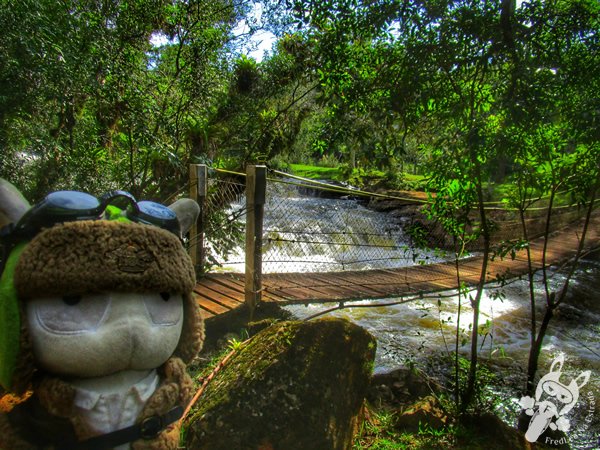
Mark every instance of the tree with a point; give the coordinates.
(553, 129)
(262, 113)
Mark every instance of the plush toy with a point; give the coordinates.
(97, 320)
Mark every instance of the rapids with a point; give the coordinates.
(421, 332)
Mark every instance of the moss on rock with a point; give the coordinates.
(295, 385)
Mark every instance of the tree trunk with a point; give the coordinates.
(475, 303)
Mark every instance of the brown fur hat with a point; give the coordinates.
(88, 257)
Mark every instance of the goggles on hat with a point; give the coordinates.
(68, 206)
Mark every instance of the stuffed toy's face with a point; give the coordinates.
(100, 334)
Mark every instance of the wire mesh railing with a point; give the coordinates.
(308, 227)
(312, 226)
(223, 219)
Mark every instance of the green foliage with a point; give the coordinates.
(484, 399)
(234, 344)
(395, 180)
(511, 247)
(353, 176)
(378, 432)
(89, 103)
(418, 235)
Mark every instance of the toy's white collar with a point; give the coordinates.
(115, 401)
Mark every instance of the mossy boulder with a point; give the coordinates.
(295, 385)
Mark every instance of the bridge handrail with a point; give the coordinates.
(315, 184)
(329, 187)
(339, 189)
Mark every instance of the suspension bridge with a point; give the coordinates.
(289, 241)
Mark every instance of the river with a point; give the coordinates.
(420, 332)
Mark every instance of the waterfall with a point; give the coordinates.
(307, 233)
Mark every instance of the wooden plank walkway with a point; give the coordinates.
(220, 293)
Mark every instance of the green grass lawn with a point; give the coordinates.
(412, 177)
(316, 172)
(359, 178)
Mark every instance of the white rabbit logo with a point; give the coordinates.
(553, 400)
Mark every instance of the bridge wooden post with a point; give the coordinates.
(256, 188)
(198, 192)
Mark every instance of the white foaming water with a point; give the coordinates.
(423, 327)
